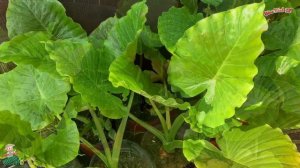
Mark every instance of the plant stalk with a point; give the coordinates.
(176, 126)
(101, 134)
(95, 150)
(161, 118)
(119, 136)
(149, 128)
(168, 116)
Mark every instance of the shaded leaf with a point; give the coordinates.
(284, 64)
(100, 34)
(173, 23)
(274, 99)
(13, 130)
(281, 33)
(44, 15)
(293, 53)
(192, 5)
(149, 38)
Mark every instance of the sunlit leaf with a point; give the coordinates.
(215, 47)
(34, 95)
(257, 147)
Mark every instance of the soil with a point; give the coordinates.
(132, 156)
(161, 157)
(295, 136)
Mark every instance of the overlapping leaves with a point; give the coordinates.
(173, 23)
(55, 150)
(122, 44)
(274, 99)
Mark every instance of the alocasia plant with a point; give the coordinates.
(232, 81)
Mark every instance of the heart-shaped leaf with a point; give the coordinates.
(34, 95)
(208, 57)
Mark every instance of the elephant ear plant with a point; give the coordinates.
(244, 102)
(61, 71)
(222, 72)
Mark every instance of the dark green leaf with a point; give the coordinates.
(173, 23)
(42, 15)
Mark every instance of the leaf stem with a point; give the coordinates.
(83, 119)
(171, 146)
(176, 126)
(101, 134)
(95, 150)
(168, 116)
(161, 118)
(30, 163)
(149, 128)
(119, 136)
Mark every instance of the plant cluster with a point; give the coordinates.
(225, 69)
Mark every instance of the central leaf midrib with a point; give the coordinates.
(232, 49)
(37, 19)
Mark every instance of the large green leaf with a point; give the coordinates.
(34, 95)
(122, 39)
(92, 83)
(173, 23)
(61, 147)
(260, 147)
(208, 57)
(13, 130)
(87, 68)
(27, 49)
(42, 15)
(123, 71)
